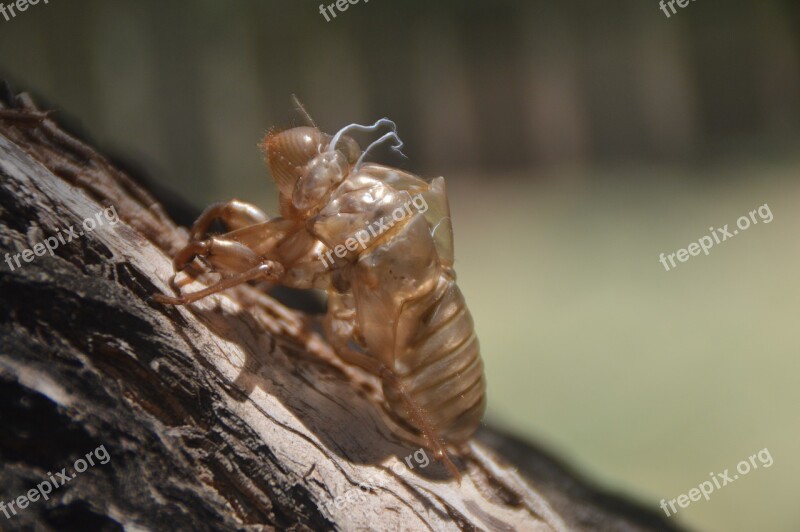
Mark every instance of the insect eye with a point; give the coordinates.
(287, 151)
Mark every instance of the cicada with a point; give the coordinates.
(379, 242)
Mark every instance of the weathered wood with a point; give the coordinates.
(230, 414)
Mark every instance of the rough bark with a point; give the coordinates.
(231, 414)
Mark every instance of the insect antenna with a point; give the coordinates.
(369, 129)
(302, 110)
(390, 135)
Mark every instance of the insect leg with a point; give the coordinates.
(256, 238)
(420, 417)
(24, 118)
(223, 254)
(267, 270)
(376, 367)
(228, 257)
(234, 214)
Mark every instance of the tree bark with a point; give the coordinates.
(230, 414)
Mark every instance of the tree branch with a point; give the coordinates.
(230, 414)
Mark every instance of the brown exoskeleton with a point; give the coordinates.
(394, 308)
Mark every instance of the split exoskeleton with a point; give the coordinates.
(379, 241)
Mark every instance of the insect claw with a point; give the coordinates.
(440, 454)
(451, 467)
(186, 255)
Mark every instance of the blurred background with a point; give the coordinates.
(579, 140)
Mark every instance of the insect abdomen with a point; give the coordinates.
(441, 368)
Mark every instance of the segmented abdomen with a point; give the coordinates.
(441, 368)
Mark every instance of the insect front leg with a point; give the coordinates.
(234, 214)
(234, 259)
(339, 329)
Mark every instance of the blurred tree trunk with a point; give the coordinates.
(228, 415)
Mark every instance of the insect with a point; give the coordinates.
(379, 241)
